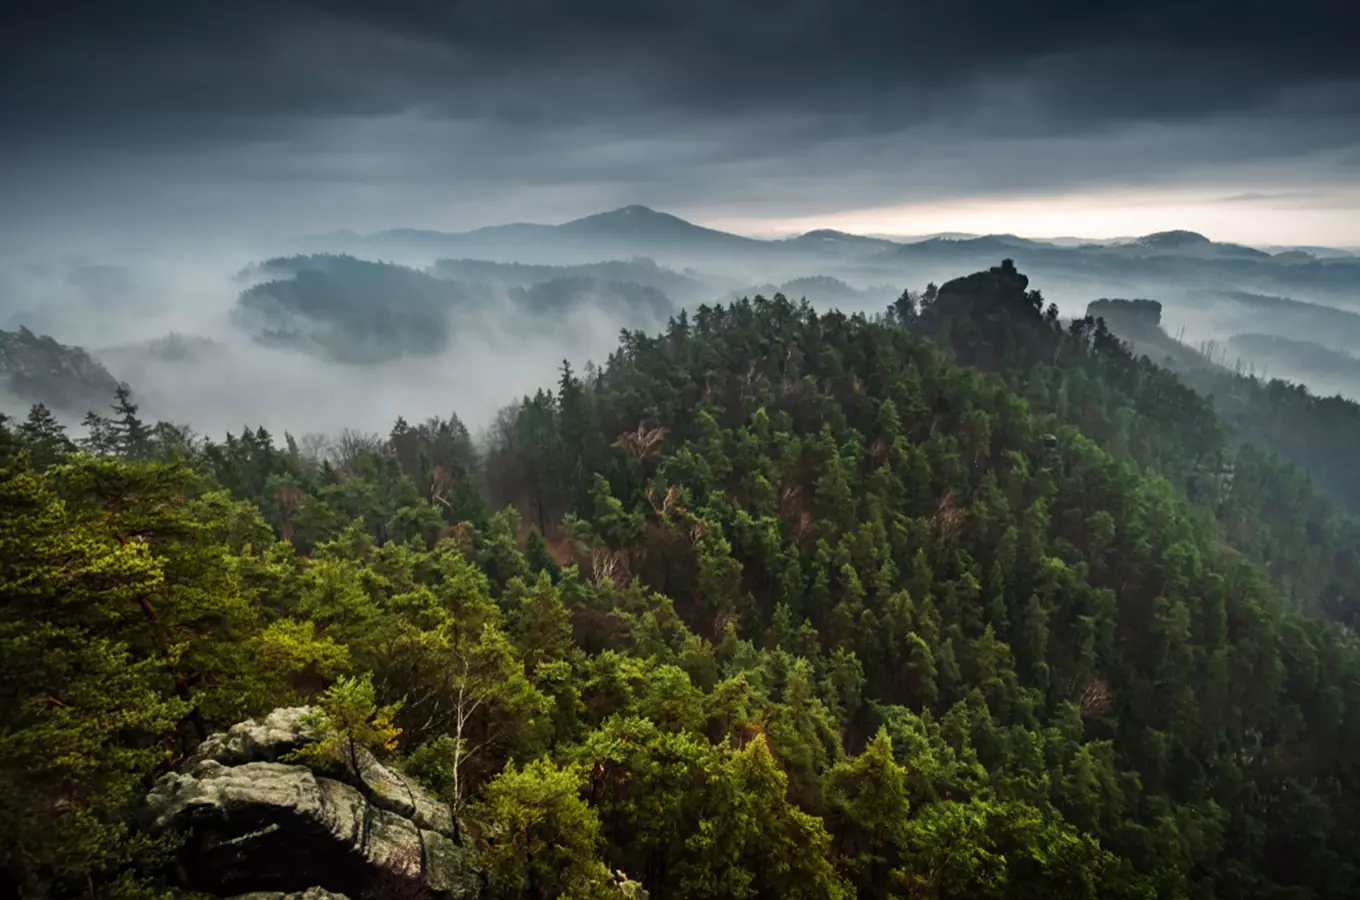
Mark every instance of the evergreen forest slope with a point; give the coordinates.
(1317, 433)
(959, 601)
(354, 311)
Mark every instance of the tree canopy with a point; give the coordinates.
(960, 601)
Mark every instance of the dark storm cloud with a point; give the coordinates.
(659, 100)
(875, 60)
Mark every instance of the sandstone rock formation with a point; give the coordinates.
(40, 370)
(256, 823)
(309, 894)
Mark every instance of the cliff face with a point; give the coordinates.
(40, 370)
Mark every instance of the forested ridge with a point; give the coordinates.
(358, 312)
(960, 601)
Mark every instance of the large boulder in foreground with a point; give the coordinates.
(256, 823)
(309, 894)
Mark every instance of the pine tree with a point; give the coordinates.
(85, 710)
(101, 438)
(869, 809)
(130, 437)
(543, 839)
(44, 437)
(349, 724)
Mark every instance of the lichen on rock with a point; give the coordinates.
(256, 822)
(309, 894)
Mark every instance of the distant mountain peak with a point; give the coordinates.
(830, 238)
(632, 211)
(641, 223)
(629, 217)
(1169, 239)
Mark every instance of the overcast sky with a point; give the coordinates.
(197, 120)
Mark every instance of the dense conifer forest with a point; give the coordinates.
(956, 601)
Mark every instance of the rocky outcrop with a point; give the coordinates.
(1138, 318)
(40, 370)
(265, 740)
(309, 894)
(256, 822)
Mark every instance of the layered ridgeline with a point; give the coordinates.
(1311, 361)
(1317, 433)
(357, 311)
(1174, 260)
(957, 602)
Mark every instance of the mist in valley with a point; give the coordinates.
(344, 331)
(169, 329)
